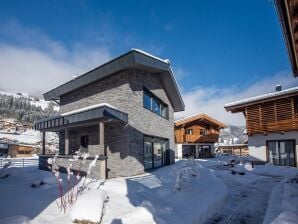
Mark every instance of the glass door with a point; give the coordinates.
(281, 153)
(287, 157)
(148, 163)
(273, 155)
(158, 153)
(154, 150)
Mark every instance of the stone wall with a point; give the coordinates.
(63, 162)
(124, 142)
(75, 137)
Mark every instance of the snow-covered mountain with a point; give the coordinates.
(25, 108)
(233, 135)
(33, 100)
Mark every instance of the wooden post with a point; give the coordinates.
(101, 133)
(103, 163)
(66, 142)
(43, 143)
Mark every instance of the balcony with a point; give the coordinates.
(186, 138)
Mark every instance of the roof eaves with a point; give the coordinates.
(268, 96)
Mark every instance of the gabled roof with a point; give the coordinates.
(237, 105)
(134, 59)
(200, 117)
(287, 11)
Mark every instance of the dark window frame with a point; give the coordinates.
(153, 98)
(166, 140)
(278, 141)
(203, 132)
(189, 131)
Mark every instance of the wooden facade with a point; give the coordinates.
(18, 150)
(197, 129)
(288, 15)
(276, 115)
(236, 149)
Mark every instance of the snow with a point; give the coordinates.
(150, 55)
(262, 97)
(148, 198)
(283, 205)
(15, 220)
(272, 170)
(88, 108)
(94, 199)
(28, 137)
(286, 217)
(213, 194)
(40, 103)
(153, 195)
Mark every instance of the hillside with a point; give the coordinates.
(24, 108)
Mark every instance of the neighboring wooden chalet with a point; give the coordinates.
(272, 126)
(195, 136)
(15, 150)
(234, 149)
(20, 150)
(287, 11)
(122, 111)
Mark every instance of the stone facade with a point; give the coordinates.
(124, 142)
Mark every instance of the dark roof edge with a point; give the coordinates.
(110, 67)
(280, 7)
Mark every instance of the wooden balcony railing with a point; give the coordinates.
(209, 138)
(254, 127)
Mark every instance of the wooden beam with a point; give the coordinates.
(66, 142)
(101, 133)
(43, 143)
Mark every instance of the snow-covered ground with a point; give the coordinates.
(213, 196)
(265, 194)
(148, 198)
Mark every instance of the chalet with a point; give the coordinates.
(122, 111)
(240, 149)
(195, 136)
(287, 11)
(20, 150)
(8, 149)
(272, 126)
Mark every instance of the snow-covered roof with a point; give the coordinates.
(261, 97)
(151, 55)
(88, 108)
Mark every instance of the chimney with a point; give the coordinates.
(278, 88)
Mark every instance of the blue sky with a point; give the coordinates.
(220, 50)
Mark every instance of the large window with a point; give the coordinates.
(281, 153)
(154, 150)
(154, 104)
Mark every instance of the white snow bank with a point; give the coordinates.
(137, 216)
(15, 220)
(283, 203)
(152, 199)
(286, 218)
(272, 170)
(89, 206)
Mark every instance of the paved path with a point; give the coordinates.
(245, 204)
